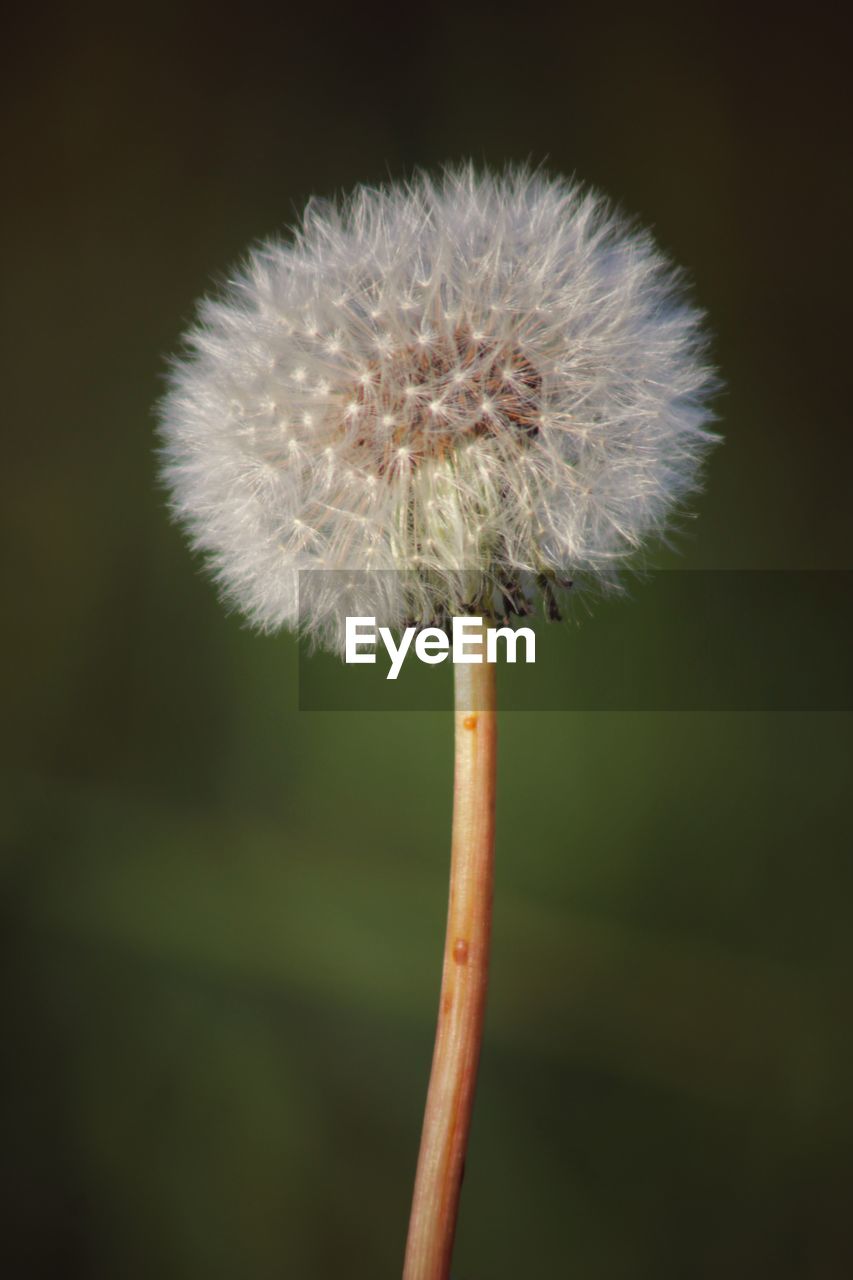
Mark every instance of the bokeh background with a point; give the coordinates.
(221, 916)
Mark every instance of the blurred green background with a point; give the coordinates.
(222, 917)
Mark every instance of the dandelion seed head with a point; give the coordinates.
(464, 380)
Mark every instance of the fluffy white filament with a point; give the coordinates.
(445, 391)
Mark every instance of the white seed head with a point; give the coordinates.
(444, 389)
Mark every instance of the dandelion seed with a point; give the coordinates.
(602, 340)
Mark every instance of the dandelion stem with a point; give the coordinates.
(450, 1098)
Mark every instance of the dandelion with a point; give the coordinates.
(485, 384)
(464, 392)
